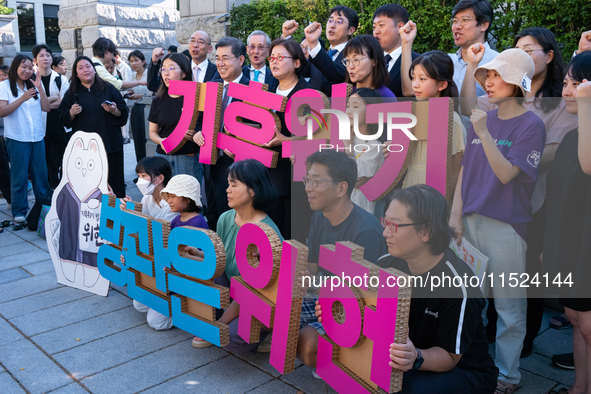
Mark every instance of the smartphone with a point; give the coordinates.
(108, 102)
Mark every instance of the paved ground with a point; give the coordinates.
(63, 340)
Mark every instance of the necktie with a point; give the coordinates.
(256, 75)
(224, 105)
(388, 59)
(197, 69)
(332, 52)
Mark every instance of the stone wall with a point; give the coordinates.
(7, 39)
(131, 24)
(203, 15)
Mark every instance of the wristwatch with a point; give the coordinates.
(419, 361)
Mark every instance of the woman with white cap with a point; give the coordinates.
(183, 194)
(492, 203)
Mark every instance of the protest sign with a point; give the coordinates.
(72, 224)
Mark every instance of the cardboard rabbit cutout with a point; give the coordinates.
(72, 224)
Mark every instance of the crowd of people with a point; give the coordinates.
(520, 173)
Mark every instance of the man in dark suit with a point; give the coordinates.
(203, 70)
(342, 23)
(257, 47)
(387, 20)
(230, 56)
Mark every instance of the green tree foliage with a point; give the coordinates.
(567, 19)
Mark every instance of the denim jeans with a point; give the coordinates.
(185, 164)
(22, 155)
(506, 252)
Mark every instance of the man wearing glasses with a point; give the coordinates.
(470, 23)
(446, 349)
(199, 47)
(229, 58)
(258, 50)
(329, 183)
(342, 23)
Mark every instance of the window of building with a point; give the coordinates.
(26, 26)
(52, 29)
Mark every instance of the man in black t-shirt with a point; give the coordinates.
(446, 349)
(330, 181)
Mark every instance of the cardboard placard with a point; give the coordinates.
(267, 290)
(72, 224)
(347, 360)
(148, 246)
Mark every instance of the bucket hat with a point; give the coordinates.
(183, 186)
(513, 65)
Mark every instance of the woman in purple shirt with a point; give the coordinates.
(366, 67)
(492, 202)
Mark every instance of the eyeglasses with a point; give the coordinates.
(259, 47)
(354, 62)
(530, 50)
(168, 70)
(224, 59)
(315, 182)
(389, 225)
(336, 21)
(461, 21)
(279, 58)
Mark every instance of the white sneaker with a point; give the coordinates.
(265, 345)
(20, 219)
(315, 374)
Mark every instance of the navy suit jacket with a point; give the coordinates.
(216, 178)
(333, 71)
(270, 80)
(395, 77)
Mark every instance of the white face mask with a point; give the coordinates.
(145, 186)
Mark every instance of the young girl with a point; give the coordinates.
(430, 75)
(21, 102)
(165, 113)
(183, 194)
(366, 67)
(59, 65)
(370, 160)
(492, 201)
(154, 173)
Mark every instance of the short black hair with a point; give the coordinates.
(341, 168)
(427, 207)
(482, 10)
(187, 54)
(256, 177)
(295, 51)
(154, 166)
(396, 12)
(57, 59)
(138, 55)
(348, 13)
(238, 47)
(173, 48)
(368, 45)
(102, 45)
(4, 68)
(579, 67)
(37, 48)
